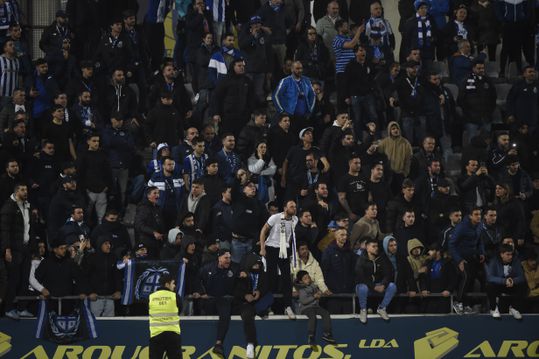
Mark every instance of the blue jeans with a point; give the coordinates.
(363, 292)
(238, 249)
(363, 112)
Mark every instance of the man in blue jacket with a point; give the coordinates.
(295, 96)
(468, 253)
(505, 275)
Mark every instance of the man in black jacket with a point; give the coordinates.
(374, 274)
(410, 92)
(15, 247)
(476, 187)
(149, 226)
(233, 99)
(104, 279)
(171, 81)
(359, 91)
(75, 229)
(62, 205)
(112, 228)
(119, 99)
(113, 50)
(164, 123)
(477, 97)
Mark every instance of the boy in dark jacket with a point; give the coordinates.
(309, 296)
(374, 274)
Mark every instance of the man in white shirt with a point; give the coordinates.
(278, 246)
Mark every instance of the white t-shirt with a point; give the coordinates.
(274, 237)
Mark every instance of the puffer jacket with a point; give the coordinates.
(338, 268)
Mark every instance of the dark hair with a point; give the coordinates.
(198, 181)
(474, 208)
(408, 183)
(317, 186)
(149, 189)
(504, 248)
(273, 204)
(301, 274)
(165, 279)
(112, 211)
(303, 211)
(18, 185)
(226, 134)
(9, 161)
(489, 208)
(197, 139)
(339, 23)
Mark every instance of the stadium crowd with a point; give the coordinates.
(266, 146)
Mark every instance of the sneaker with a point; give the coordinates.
(382, 313)
(515, 313)
(290, 313)
(13, 314)
(218, 349)
(311, 341)
(468, 310)
(250, 351)
(25, 314)
(458, 308)
(496, 313)
(328, 338)
(363, 316)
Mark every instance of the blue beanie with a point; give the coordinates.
(418, 3)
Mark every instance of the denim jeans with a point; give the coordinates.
(363, 112)
(414, 129)
(239, 249)
(363, 292)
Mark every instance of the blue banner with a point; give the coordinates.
(420, 337)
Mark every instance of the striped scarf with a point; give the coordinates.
(423, 41)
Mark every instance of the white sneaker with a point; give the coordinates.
(458, 308)
(290, 313)
(496, 313)
(382, 313)
(515, 313)
(363, 316)
(250, 351)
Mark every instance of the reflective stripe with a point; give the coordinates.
(162, 324)
(163, 315)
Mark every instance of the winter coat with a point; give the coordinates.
(338, 268)
(93, 171)
(373, 272)
(99, 269)
(477, 97)
(61, 276)
(314, 270)
(254, 281)
(495, 271)
(119, 146)
(60, 209)
(12, 225)
(148, 219)
(465, 241)
(233, 98)
(164, 124)
(117, 233)
(307, 299)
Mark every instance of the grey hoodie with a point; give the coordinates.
(306, 295)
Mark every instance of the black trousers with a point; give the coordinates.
(274, 262)
(311, 313)
(516, 295)
(155, 34)
(248, 313)
(166, 342)
(223, 308)
(18, 271)
(472, 270)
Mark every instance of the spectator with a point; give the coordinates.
(62, 204)
(366, 227)
(505, 275)
(54, 35)
(221, 61)
(399, 152)
(490, 232)
(461, 62)
(513, 16)
(119, 100)
(488, 26)
(41, 88)
(9, 111)
(374, 274)
(280, 140)
(229, 161)
(421, 158)
(198, 203)
(523, 100)
(12, 14)
(309, 296)
(343, 48)
(426, 187)
(195, 163)
(378, 30)
(352, 190)
(337, 264)
(60, 276)
(477, 97)
(10, 71)
(295, 96)
(115, 231)
(95, 176)
(104, 279)
(325, 26)
(86, 118)
(261, 165)
(498, 153)
(418, 261)
(164, 123)
(314, 55)
(171, 192)
(421, 32)
(531, 272)
(399, 263)
(254, 41)
(213, 184)
(233, 99)
(409, 228)
(75, 229)
(197, 23)
(511, 215)
(359, 91)
(86, 81)
(9, 179)
(342, 150)
(468, 253)
(221, 218)
(252, 134)
(201, 83)
(15, 248)
(277, 244)
(457, 30)
(440, 280)
(43, 172)
(518, 178)
(149, 225)
(154, 30)
(308, 263)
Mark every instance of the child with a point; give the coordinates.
(309, 295)
(418, 264)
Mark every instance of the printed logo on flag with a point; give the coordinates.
(148, 282)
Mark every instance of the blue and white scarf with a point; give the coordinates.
(423, 41)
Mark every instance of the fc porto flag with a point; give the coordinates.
(65, 329)
(141, 278)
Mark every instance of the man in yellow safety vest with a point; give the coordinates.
(164, 307)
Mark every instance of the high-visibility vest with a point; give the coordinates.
(163, 313)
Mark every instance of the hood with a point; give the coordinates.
(414, 243)
(172, 235)
(391, 124)
(186, 241)
(250, 260)
(385, 244)
(100, 240)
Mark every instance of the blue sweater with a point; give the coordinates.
(495, 274)
(465, 241)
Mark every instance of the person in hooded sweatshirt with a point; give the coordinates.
(189, 255)
(115, 230)
(399, 152)
(309, 297)
(441, 279)
(149, 225)
(252, 297)
(103, 277)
